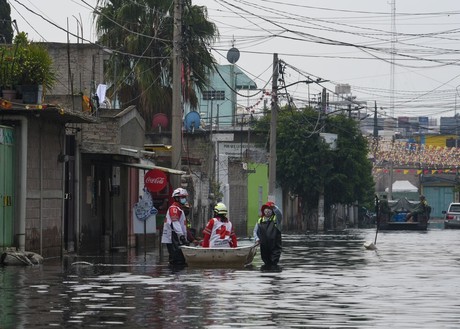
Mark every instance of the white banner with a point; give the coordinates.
(144, 212)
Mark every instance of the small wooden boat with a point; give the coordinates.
(219, 257)
(404, 226)
(394, 217)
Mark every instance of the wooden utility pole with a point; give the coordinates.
(176, 126)
(376, 130)
(273, 122)
(321, 188)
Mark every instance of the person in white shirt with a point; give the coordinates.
(174, 228)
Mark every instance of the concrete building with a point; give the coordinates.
(68, 177)
(33, 177)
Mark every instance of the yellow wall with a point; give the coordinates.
(436, 140)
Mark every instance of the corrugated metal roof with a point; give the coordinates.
(150, 167)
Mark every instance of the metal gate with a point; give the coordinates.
(6, 187)
(439, 198)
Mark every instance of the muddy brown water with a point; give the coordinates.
(327, 281)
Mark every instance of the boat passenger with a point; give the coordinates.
(267, 233)
(420, 209)
(219, 231)
(174, 228)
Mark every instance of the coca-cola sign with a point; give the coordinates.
(155, 180)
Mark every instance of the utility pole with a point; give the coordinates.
(376, 133)
(321, 188)
(176, 126)
(376, 130)
(273, 122)
(456, 118)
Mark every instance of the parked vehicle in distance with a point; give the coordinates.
(452, 216)
(366, 218)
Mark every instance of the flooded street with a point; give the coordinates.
(327, 281)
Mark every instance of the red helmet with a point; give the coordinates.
(269, 204)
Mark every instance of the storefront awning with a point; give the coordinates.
(150, 167)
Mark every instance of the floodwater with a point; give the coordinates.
(327, 281)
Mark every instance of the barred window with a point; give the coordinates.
(214, 94)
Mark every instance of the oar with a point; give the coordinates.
(369, 245)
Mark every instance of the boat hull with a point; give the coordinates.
(220, 257)
(403, 226)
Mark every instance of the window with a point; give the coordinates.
(454, 208)
(218, 95)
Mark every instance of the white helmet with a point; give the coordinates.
(178, 192)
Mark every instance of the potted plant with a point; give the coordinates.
(9, 71)
(37, 74)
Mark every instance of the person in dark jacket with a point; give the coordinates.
(267, 233)
(422, 209)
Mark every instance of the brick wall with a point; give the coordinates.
(79, 68)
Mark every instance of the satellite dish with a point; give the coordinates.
(192, 121)
(160, 121)
(233, 55)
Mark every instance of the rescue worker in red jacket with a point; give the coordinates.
(267, 233)
(219, 231)
(174, 228)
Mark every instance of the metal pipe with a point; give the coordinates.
(40, 172)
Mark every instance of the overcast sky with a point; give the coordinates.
(344, 42)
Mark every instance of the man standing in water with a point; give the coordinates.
(175, 229)
(267, 233)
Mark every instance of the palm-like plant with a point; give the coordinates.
(141, 34)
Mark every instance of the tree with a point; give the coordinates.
(140, 33)
(6, 29)
(305, 161)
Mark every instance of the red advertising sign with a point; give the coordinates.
(155, 180)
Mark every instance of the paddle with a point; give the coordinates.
(370, 245)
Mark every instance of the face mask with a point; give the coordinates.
(183, 200)
(268, 212)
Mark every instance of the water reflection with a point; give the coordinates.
(327, 281)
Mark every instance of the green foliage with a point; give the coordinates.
(6, 30)
(9, 68)
(25, 63)
(141, 33)
(305, 162)
(36, 67)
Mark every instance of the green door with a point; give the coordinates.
(6, 187)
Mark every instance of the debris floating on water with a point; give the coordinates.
(370, 245)
(82, 263)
